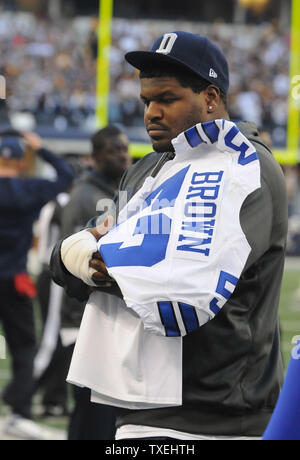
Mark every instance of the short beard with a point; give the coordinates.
(163, 149)
(190, 121)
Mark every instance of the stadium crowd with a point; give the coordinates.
(51, 67)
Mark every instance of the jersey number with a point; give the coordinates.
(148, 244)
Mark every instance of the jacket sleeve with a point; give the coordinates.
(74, 287)
(41, 191)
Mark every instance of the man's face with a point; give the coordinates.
(169, 110)
(114, 159)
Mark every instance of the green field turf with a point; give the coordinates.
(289, 319)
(289, 311)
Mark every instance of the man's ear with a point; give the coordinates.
(212, 98)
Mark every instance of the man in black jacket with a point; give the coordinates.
(231, 366)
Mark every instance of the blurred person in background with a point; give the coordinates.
(49, 364)
(50, 381)
(110, 159)
(21, 200)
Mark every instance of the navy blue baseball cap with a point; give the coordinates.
(188, 51)
(11, 148)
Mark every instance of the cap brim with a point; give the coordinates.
(144, 59)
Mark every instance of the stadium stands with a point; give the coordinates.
(50, 69)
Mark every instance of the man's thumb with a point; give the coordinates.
(106, 226)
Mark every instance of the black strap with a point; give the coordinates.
(163, 159)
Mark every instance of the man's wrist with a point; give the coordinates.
(76, 252)
(102, 229)
(95, 233)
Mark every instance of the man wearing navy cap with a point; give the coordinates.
(21, 200)
(231, 370)
(200, 68)
(10, 148)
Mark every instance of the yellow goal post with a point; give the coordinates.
(289, 155)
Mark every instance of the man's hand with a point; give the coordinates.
(102, 229)
(80, 255)
(101, 277)
(34, 141)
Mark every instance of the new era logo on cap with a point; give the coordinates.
(213, 74)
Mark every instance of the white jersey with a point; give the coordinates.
(177, 253)
(178, 250)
